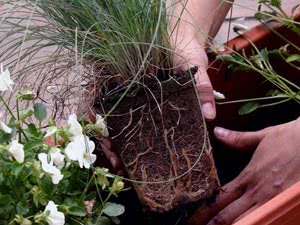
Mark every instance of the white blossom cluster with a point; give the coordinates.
(78, 150)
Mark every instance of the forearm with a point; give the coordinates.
(200, 19)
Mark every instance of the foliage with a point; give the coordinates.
(260, 61)
(128, 36)
(48, 177)
(116, 43)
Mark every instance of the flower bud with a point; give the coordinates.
(22, 221)
(118, 186)
(26, 95)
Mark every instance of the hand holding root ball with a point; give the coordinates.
(273, 168)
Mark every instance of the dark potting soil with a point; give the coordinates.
(160, 137)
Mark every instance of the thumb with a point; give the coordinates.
(240, 140)
(206, 94)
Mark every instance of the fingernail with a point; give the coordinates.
(209, 111)
(221, 132)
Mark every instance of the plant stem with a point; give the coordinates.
(12, 114)
(87, 186)
(107, 198)
(18, 116)
(251, 100)
(7, 107)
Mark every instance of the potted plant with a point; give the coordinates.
(153, 115)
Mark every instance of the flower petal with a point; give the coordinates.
(75, 127)
(5, 80)
(57, 177)
(100, 122)
(17, 151)
(51, 130)
(55, 217)
(5, 128)
(71, 150)
(89, 160)
(57, 157)
(219, 95)
(53, 171)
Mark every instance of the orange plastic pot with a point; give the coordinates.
(283, 209)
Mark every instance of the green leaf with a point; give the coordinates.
(4, 137)
(5, 199)
(113, 210)
(248, 108)
(22, 208)
(276, 3)
(70, 202)
(33, 130)
(103, 220)
(26, 114)
(293, 58)
(40, 111)
(77, 211)
(225, 57)
(17, 169)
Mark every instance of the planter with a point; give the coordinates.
(284, 208)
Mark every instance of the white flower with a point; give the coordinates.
(57, 157)
(51, 130)
(75, 128)
(5, 81)
(81, 149)
(219, 95)
(17, 151)
(102, 125)
(55, 217)
(5, 128)
(49, 168)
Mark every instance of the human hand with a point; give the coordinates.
(191, 25)
(189, 53)
(273, 168)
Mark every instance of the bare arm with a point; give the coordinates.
(199, 20)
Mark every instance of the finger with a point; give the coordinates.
(230, 193)
(240, 140)
(107, 149)
(206, 94)
(232, 211)
(246, 213)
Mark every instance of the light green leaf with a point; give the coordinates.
(249, 108)
(293, 58)
(113, 209)
(40, 111)
(225, 57)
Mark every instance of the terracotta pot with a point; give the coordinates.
(284, 209)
